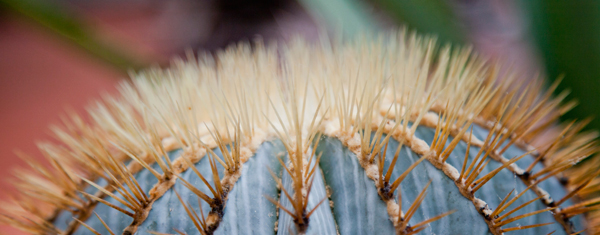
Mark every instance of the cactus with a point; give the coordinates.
(387, 135)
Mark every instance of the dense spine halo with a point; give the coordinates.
(385, 135)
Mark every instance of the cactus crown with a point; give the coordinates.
(365, 94)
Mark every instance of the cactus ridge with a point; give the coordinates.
(206, 143)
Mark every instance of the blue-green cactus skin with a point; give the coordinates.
(168, 213)
(442, 195)
(357, 208)
(321, 221)
(496, 189)
(247, 210)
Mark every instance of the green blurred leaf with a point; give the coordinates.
(348, 16)
(567, 34)
(426, 16)
(433, 17)
(54, 18)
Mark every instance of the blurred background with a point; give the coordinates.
(58, 55)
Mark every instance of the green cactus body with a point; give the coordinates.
(382, 136)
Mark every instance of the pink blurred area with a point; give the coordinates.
(40, 76)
